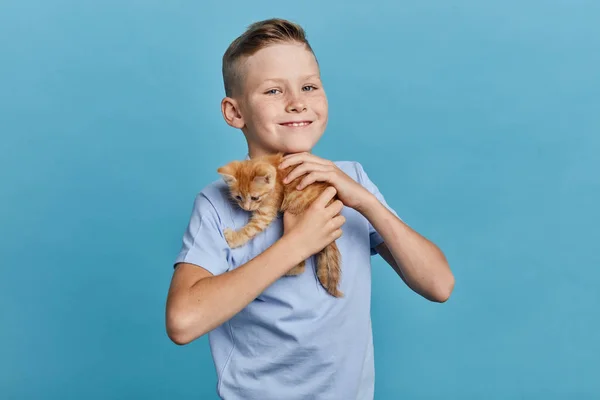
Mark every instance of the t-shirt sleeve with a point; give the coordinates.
(203, 241)
(363, 179)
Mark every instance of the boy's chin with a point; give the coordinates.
(298, 147)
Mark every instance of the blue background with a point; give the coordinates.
(478, 120)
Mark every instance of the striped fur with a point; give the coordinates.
(256, 185)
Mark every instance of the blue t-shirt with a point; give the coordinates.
(294, 341)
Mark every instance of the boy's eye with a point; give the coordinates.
(273, 91)
(309, 88)
(254, 198)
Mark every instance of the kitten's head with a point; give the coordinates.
(250, 182)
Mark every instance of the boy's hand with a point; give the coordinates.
(316, 169)
(317, 226)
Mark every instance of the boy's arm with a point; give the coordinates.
(420, 263)
(199, 301)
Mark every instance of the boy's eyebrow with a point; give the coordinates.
(302, 78)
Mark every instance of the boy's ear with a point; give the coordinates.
(231, 113)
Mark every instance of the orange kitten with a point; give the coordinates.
(257, 186)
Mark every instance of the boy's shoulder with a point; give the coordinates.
(216, 190)
(349, 167)
(346, 164)
(213, 201)
(353, 169)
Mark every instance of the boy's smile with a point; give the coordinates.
(294, 124)
(281, 105)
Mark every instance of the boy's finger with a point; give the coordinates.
(325, 197)
(297, 158)
(311, 178)
(335, 208)
(293, 160)
(302, 170)
(293, 155)
(339, 220)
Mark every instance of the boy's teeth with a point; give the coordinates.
(297, 124)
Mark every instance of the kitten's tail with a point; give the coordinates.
(329, 269)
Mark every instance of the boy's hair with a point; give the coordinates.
(256, 37)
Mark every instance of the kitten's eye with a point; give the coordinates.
(254, 198)
(238, 198)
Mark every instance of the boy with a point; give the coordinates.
(283, 337)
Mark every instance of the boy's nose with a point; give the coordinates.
(296, 106)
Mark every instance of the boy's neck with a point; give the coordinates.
(250, 154)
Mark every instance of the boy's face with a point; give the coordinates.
(282, 104)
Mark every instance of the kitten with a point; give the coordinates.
(257, 186)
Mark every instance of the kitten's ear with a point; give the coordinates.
(227, 173)
(265, 174)
(263, 179)
(229, 179)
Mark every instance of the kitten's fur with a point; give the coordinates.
(257, 186)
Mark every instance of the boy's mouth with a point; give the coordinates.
(297, 124)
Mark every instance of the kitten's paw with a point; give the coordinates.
(232, 237)
(297, 270)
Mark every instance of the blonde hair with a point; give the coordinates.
(256, 37)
